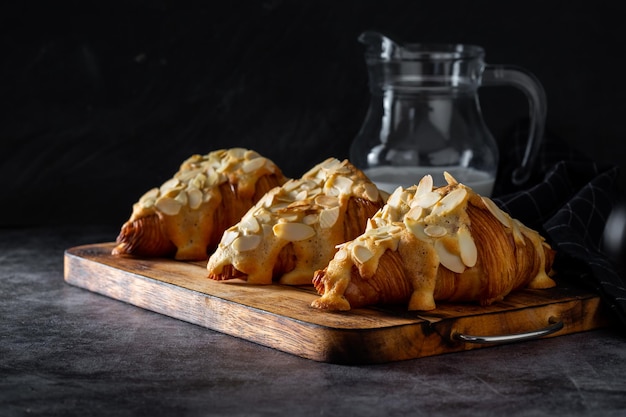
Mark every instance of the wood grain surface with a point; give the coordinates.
(280, 317)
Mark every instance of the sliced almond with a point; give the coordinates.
(370, 225)
(249, 224)
(326, 201)
(182, 198)
(343, 184)
(228, 237)
(449, 178)
(388, 230)
(188, 174)
(371, 191)
(310, 219)
(341, 255)
(308, 185)
(291, 185)
(331, 165)
(301, 208)
(315, 191)
(361, 253)
(253, 165)
(277, 207)
(251, 154)
(169, 185)
(497, 212)
(246, 243)
(147, 202)
(168, 206)
(237, 153)
(263, 215)
(302, 195)
(332, 191)
(427, 199)
(150, 195)
(450, 201)
(425, 185)
(329, 217)
(293, 232)
(415, 213)
(417, 229)
(288, 217)
(386, 212)
(195, 198)
(467, 247)
(395, 199)
(448, 259)
(214, 177)
(199, 181)
(434, 230)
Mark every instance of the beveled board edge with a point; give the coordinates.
(406, 336)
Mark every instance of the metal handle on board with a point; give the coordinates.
(554, 327)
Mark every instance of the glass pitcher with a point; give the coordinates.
(425, 118)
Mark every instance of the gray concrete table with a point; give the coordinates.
(67, 351)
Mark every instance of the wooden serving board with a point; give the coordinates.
(280, 317)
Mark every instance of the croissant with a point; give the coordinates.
(185, 217)
(435, 244)
(293, 230)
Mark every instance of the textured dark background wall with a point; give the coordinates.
(102, 100)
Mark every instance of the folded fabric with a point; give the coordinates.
(569, 199)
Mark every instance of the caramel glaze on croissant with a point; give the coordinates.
(427, 245)
(186, 216)
(294, 229)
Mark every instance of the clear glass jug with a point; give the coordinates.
(425, 118)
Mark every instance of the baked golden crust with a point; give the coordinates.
(185, 217)
(293, 230)
(435, 244)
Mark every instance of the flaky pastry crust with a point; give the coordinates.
(185, 217)
(294, 229)
(435, 244)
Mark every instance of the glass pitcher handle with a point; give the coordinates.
(536, 95)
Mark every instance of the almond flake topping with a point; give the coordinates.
(426, 199)
(246, 243)
(449, 259)
(415, 213)
(435, 231)
(361, 253)
(229, 236)
(195, 198)
(371, 191)
(326, 201)
(451, 201)
(497, 213)
(343, 184)
(467, 247)
(249, 224)
(168, 206)
(253, 165)
(169, 185)
(293, 232)
(425, 185)
(329, 217)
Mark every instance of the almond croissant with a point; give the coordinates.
(435, 244)
(186, 216)
(294, 229)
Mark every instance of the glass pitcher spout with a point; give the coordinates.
(379, 45)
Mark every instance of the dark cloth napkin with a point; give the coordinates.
(568, 200)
